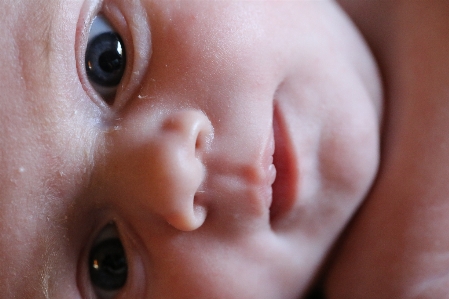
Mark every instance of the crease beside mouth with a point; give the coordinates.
(286, 171)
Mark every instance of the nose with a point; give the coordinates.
(178, 151)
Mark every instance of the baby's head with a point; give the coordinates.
(139, 149)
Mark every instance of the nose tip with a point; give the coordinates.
(194, 129)
(184, 139)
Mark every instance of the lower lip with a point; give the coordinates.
(284, 186)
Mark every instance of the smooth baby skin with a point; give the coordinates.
(218, 100)
(397, 245)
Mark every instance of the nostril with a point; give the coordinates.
(198, 144)
(204, 137)
(180, 149)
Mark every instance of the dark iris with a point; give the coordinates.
(107, 265)
(105, 59)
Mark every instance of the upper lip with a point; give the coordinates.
(268, 185)
(284, 186)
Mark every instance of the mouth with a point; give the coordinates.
(284, 186)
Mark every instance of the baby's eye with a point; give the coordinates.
(105, 59)
(108, 267)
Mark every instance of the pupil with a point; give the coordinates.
(107, 265)
(110, 61)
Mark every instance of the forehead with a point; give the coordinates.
(32, 93)
(36, 60)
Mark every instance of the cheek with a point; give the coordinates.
(226, 278)
(202, 265)
(350, 141)
(350, 149)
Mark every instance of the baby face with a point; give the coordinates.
(179, 149)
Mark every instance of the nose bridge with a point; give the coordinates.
(179, 148)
